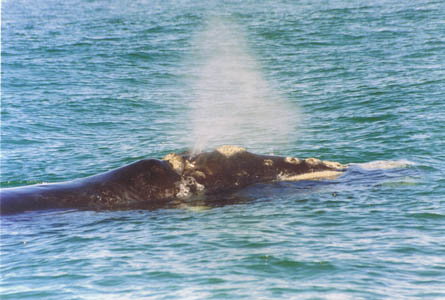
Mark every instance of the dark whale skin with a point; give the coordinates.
(141, 184)
(152, 183)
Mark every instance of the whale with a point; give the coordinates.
(178, 177)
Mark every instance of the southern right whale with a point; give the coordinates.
(152, 183)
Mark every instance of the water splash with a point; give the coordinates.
(384, 164)
(233, 103)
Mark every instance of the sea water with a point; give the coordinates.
(92, 85)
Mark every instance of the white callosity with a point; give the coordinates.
(191, 176)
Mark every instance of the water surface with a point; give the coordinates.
(91, 85)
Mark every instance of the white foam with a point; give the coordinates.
(384, 164)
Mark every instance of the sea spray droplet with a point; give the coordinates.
(233, 103)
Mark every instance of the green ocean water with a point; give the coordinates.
(87, 86)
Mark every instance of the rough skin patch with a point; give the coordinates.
(228, 151)
(334, 165)
(292, 160)
(312, 161)
(176, 162)
(268, 162)
(187, 187)
(189, 165)
(199, 174)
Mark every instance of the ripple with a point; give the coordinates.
(427, 216)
